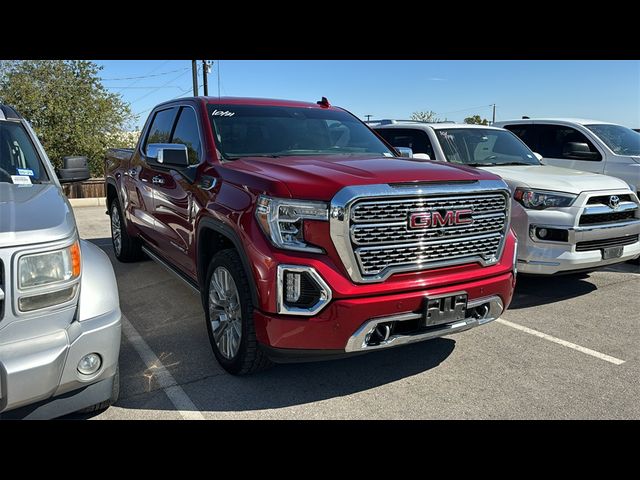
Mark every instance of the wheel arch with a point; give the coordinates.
(212, 237)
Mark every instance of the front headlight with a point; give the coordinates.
(541, 199)
(282, 221)
(39, 273)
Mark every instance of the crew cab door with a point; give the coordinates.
(555, 143)
(139, 177)
(174, 192)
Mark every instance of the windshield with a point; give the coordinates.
(19, 162)
(480, 147)
(268, 131)
(621, 140)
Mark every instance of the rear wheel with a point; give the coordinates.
(229, 315)
(125, 247)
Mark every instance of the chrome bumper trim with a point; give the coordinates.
(357, 341)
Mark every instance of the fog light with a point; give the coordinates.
(292, 281)
(89, 364)
(542, 232)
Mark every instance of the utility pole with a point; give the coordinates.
(194, 73)
(368, 117)
(205, 83)
(494, 114)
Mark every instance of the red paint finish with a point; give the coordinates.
(167, 217)
(334, 325)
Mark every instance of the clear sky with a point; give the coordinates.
(602, 90)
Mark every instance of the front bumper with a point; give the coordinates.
(547, 258)
(340, 328)
(45, 368)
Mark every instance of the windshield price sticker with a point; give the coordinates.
(20, 180)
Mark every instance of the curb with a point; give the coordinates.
(88, 202)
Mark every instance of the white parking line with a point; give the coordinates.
(564, 343)
(186, 408)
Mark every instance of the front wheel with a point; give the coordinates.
(125, 247)
(229, 315)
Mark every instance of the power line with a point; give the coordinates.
(147, 87)
(144, 76)
(157, 88)
(155, 69)
(173, 98)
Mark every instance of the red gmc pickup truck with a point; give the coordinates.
(307, 235)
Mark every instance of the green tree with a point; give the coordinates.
(425, 116)
(68, 107)
(476, 120)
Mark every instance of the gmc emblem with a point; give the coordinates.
(440, 218)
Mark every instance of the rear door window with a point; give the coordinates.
(415, 139)
(553, 141)
(161, 125)
(527, 133)
(187, 133)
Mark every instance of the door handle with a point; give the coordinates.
(157, 180)
(132, 172)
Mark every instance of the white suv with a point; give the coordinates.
(565, 220)
(588, 145)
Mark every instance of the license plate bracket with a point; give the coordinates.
(612, 252)
(447, 309)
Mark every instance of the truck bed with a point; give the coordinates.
(120, 154)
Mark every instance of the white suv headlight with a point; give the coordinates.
(541, 199)
(39, 273)
(282, 221)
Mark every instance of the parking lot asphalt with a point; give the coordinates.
(567, 348)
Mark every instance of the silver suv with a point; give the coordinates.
(59, 306)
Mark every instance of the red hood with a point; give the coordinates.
(321, 177)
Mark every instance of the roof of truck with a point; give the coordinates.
(274, 102)
(9, 113)
(258, 101)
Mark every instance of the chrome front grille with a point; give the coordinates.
(378, 233)
(398, 210)
(598, 211)
(375, 232)
(374, 260)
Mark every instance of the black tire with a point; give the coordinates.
(115, 393)
(130, 247)
(249, 357)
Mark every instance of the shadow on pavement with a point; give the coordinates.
(533, 291)
(288, 385)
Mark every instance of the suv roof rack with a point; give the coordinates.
(7, 112)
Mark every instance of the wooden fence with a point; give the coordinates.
(92, 188)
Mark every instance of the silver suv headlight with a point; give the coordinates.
(48, 278)
(282, 221)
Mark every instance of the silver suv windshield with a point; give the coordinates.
(279, 131)
(18, 156)
(621, 140)
(479, 147)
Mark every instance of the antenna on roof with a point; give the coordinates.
(524, 117)
(324, 103)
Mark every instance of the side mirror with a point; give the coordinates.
(579, 151)
(404, 152)
(538, 156)
(168, 155)
(422, 156)
(74, 169)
